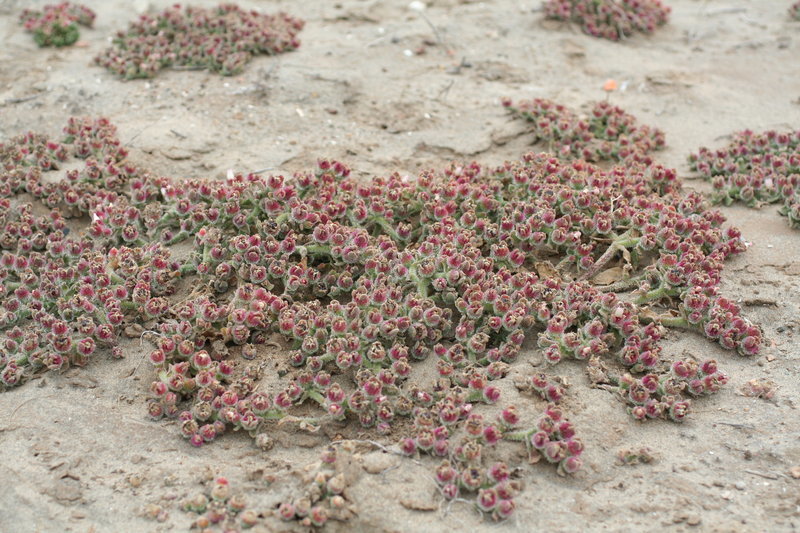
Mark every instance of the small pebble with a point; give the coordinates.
(740, 485)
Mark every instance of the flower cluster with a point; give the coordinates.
(610, 19)
(57, 24)
(609, 133)
(362, 279)
(756, 169)
(222, 39)
(219, 505)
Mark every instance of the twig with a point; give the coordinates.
(433, 27)
(29, 400)
(377, 445)
(141, 343)
(9, 101)
(765, 475)
(726, 11)
(737, 426)
(386, 470)
(178, 135)
(444, 92)
(375, 41)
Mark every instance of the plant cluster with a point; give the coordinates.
(794, 11)
(756, 169)
(629, 457)
(222, 39)
(63, 299)
(57, 24)
(323, 497)
(609, 133)
(610, 19)
(220, 506)
(365, 279)
(759, 388)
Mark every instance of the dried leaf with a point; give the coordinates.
(133, 331)
(609, 276)
(546, 270)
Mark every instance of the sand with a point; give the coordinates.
(375, 86)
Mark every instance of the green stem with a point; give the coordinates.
(675, 322)
(657, 294)
(422, 284)
(671, 321)
(181, 235)
(316, 249)
(316, 396)
(386, 227)
(519, 436)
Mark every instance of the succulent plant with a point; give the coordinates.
(610, 19)
(608, 133)
(361, 279)
(222, 39)
(57, 24)
(756, 169)
(219, 506)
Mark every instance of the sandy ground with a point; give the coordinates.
(76, 450)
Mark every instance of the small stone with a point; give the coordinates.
(693, 520)
(151, 510)
(795, 472)
(66, 490)
(377, 462)
(78, 515)
(740, 485)
(417, 504)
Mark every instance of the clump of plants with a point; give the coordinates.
(794, 11)
(220, 508)
(756, 169)
(57, 24)
(222, 39)
(362, 281)
(610, 19)
(607, 134)
(323, 496)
